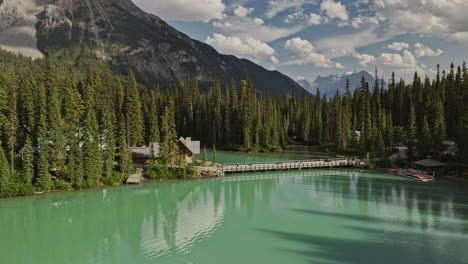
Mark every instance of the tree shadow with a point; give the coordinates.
(378, 246)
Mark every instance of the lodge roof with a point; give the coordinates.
(429, 163)
(144, 152)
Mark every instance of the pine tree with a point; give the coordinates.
(55, 124)
(169, 135)
(132, 112)
(12, 123)
(205, 155)
(214, 154)
(91, 150)
(44, 179)
(425, 139)
(5, 176)
(28, 162)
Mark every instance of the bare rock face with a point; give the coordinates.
(17, 27)
(53, 28)
(131, 40)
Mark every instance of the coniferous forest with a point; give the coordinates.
(68, 127)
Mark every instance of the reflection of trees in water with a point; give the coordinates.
(138, 223)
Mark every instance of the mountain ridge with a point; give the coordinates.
(129, 39)
(330, 84)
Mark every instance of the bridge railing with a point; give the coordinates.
(291, 161)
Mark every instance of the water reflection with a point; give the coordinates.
(167, 221)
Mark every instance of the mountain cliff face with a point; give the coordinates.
(328, 85)
(118, 32)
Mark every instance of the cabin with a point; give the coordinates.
(430, 166)
(187, 149)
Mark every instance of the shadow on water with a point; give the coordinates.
(448, 226)
(377, 247)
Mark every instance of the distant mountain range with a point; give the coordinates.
(120, 34)
(328, 85)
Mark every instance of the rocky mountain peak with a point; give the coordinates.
(129, 39)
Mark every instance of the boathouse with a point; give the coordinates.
(430, 165)
(187, 149)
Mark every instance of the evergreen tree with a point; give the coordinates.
(132, 111)
(169, 136)
(5, 176)
(91, 150)
(214, 154)
(28, 162)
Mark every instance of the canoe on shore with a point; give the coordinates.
(412, 175)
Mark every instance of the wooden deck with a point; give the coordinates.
(136, 178)
(297, 165)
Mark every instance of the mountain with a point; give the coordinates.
(123, 36)
(305, 84)
(328, 85)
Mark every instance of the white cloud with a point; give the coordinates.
(311, 19)
(404, 65)
(245, 27)
(398, 46)
(461, 37)
(431, 17)
(274, 60)
(358, 21)
(422, 50)
(315, 19)
(259, 21)
(346, 44)
(334, 10)
(277, 6)
(397, 60)
(306, 54)
(243, 11)
(185, 10)
(246, 48)
(364, 59)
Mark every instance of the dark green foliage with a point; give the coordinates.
(161, 172)
(76, 125)
(5, 176)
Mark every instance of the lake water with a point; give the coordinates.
(308, 216)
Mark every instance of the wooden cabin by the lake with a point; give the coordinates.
(187, 149)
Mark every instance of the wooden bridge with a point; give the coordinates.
(293, 165)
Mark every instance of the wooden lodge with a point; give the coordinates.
(187, 150)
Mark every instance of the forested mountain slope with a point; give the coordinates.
(128, 39)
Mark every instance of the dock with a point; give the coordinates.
(136, 178)
(293, 165)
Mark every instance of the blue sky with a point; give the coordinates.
(307, 38)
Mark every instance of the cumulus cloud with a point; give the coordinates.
(311, 19)
(307, 54)
(259, 21)
(422, 50)
(277, 6)
(315, 19)
(461, 37)
(243, 11)
(364, 59)
(432, 17)
(184, 10)
(404, 65)
(398, 46)
(358, 21)
(245, 27)
(246, 48)
(334, 10)
(274, 60)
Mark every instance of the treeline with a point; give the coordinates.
(65, 128)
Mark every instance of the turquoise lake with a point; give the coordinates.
(308, 216)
